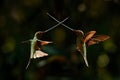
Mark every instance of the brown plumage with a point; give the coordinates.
(87, 40)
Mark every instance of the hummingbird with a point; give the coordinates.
(36, 44)
(84, 40)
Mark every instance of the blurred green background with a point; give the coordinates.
(20, 19)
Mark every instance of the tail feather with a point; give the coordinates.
(28, 63)
(86, 62)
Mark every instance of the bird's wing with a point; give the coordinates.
(39, 54)
(88, 36)
(96, 39)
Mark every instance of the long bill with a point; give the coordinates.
(56, 25)
(59, 22)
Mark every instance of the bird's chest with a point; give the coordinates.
(79, 41)
(37, 45)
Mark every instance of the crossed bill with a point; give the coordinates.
(84, 40)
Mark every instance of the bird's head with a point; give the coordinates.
(79, 32)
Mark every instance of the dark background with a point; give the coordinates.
(20, 19)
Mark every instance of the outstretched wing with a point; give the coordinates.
(96, 39)
(39, 54)
(88, 36)
(43, 42)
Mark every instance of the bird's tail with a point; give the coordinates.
(28, 63)
(86, 62)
